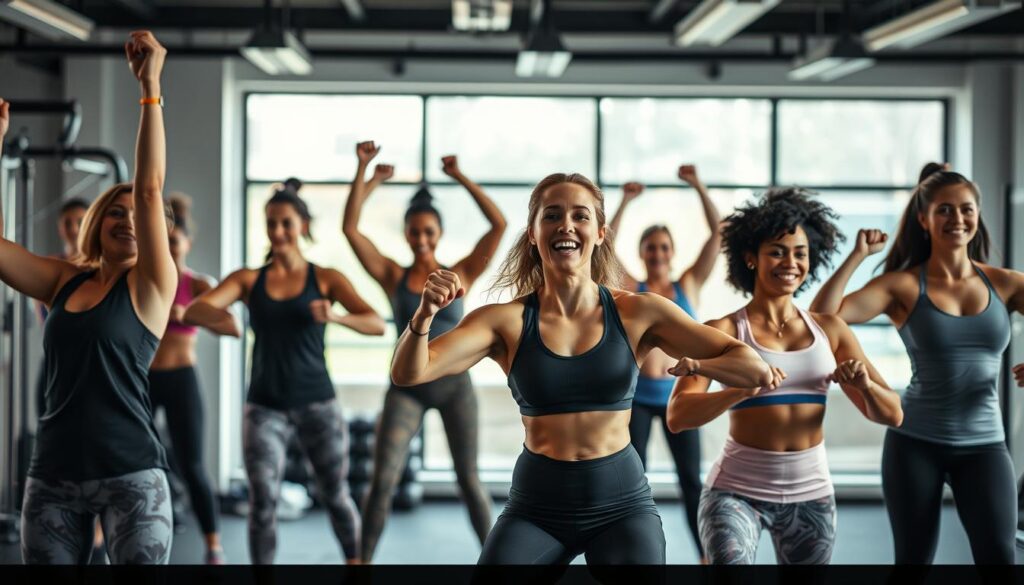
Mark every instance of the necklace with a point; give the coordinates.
(780, 327)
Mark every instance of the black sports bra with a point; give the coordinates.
(603, 378)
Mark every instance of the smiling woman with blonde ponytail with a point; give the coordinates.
(570, 346)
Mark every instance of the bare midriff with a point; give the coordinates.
(577, 436)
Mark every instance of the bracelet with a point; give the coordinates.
(158, 101)
(414, 332)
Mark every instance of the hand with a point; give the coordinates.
(145, 57)
(870, 242)
(685, 367)
(777, 377)
(450, 166)
(1018, 375)
(852, 373)
(177, 313)
(382, 173)
(440, 290)
(688, 173)
(5, 117)
(321, 310)
(631, 191)
(365, 151)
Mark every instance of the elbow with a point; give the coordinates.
(763, 375)
(895, 419)
(674, 424)
(378, 326)
(401, 379)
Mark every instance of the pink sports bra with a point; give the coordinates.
(807, 369)
(183, 296)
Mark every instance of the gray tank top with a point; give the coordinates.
(953, 397)
(405, 302)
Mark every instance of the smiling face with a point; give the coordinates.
(422, 232)
(781, 264)
(117, 230)
(284, 227)
(566, 227)
(951, 219)
(657, 251)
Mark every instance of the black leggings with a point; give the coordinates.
(177, 392)
(557, 510)
(455, 401)
(984, 489)
(685, 448)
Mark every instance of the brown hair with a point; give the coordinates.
(90, 250)
(521, 271)
(181, 206)
(654, 229)
(912, 246)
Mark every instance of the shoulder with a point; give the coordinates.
(1001, 277)
(497, 315)
(244, 276)
(833, 325)
(726, 324)
(329, 275)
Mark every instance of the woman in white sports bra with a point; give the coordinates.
(773, 472)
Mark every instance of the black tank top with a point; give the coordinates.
(98, 422)
(288, 366)
(405, 302)
(602, 378)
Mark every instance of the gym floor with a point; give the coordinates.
(438, 532)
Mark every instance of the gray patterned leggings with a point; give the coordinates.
(730, 528)
(324, 438)
(57, 519)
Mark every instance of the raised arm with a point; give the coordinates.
(695, 276)
(701, 349)
(417, 361)
(210, 310)
(472, 266)
(384, 270)
(692, 406)
(25, 272)
(630, 191)
(155, 274)
(361, 317)
(865, 304)
(858, 378)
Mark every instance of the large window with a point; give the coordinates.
(862, 156)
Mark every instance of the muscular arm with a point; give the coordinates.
(873, 397)
(691, 405)
(210, 310)
(472, 266)
(383, 269)
(695, 276)
(721, 357)
(361, 317)
(418, 361)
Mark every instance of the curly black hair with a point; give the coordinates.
(779, 211)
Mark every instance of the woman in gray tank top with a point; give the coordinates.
(452, 396)
(952, 313)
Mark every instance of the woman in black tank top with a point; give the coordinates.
(290, 390)
(570, 345)
(97, 453)
(452, 396)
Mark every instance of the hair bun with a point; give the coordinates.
(422, 198)
(930, 169)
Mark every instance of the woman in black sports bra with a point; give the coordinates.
(570, 345)
(290, 391)
(97, 453)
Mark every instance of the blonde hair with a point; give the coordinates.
(522, 272)
(90, 250)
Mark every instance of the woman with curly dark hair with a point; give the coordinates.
(773, 472)
(952, 313)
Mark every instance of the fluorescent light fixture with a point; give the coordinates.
(277, 52)
(831, 60)
(46, 18)
(933, 21)
(712, 22)
(543, 56)
(482, 15)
